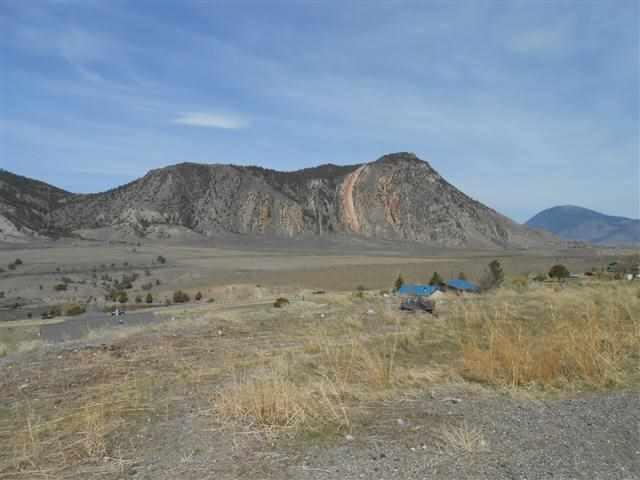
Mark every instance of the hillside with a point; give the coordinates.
(25, 207)
(397, 196)
(577, 223)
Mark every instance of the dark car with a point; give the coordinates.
(418, 304)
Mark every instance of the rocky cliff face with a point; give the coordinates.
(396, 197)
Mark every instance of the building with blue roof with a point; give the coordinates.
(462, 285)
(417, 290)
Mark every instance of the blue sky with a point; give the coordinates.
(521, 104)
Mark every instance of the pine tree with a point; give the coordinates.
(436, 279)
(399, 282)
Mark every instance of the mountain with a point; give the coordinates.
(397, 196)
(25, 207)
(576, 223)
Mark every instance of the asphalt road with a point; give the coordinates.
(80, 326)
(74, 328)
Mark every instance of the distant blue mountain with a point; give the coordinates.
(576, 223)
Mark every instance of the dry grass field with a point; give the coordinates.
(316, 370)
(88, 270)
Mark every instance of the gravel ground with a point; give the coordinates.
(595, 437)
(592, 437)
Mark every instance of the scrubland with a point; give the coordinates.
(314, 369)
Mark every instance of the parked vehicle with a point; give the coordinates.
(117, 312)
(418, 304)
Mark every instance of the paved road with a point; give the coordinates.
(74, 328)
(78, 327)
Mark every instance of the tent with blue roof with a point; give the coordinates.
(462, 285)
(417, 290)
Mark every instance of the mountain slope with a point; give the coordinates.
(25, 206)
(576, 223)
(396, 197)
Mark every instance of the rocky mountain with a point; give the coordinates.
(576, 223)
(397, 196)
(26, 205)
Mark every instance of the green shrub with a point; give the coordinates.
(71, 309)
(60, 287)
(559, 272)
(494, 277)
(55, 311)
(280, 302)
(123, 297)
(17, 262)
(161, 260)
(149, 298)
(198, 296)
(180, 297)
(138, 299)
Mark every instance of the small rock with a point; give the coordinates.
(349, 437)
(370, 312)
(452, 400)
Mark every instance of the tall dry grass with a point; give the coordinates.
(312, 388)
(583, 336)
(48, 442)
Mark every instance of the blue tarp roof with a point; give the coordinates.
(420, 290)
(462, 285)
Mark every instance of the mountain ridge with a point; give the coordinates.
(572, 222)
(397, 196)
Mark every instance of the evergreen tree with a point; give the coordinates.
(399, 282)
(436, 279)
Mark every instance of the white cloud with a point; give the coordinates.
(210, 120)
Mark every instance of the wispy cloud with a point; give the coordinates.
(492, 89)
(211, 120)
(554, 41)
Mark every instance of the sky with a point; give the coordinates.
(523, 105)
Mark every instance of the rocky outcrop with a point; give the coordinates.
(395, 197)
